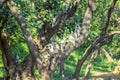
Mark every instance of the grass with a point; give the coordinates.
(2, 70)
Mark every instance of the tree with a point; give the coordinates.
(44, 51)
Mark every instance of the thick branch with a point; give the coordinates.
(26, 32)
(84, 33)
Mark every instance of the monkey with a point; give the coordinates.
(16, 59)
(72, 38)
(77, 31)
(46, 53)
(49, 48)
(45, 58)
(111, 54)
(62, 42)
(56, 47)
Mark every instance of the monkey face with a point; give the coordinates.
(77, 28)
(49, 48)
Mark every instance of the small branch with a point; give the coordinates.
(60, 20)
(107, 55)
(108, 17)
(114, 32)
(94, 55)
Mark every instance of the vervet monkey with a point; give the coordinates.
(72, 38)
(62, 42)
(49, 49)
(45, 58)
(77, 31)
(16, 58)
(56, 47)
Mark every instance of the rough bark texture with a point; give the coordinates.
(94, 55)
(26, 32)
(62, 67)
(86, 23)
(14, 71)
(117, 68)
(107, 55)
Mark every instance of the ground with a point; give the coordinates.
(104, 76)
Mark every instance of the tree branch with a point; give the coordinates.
(60, 20)
(99, 41)
(108, 17)
(48, 31)
(114, 32)
(84, 33)
(26, 32)
(94, 55)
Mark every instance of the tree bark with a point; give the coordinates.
(107, 55)
(62, 67)
(26, 32)
(46, 74)
(15, 71)
(94, 55)
(117, 68)
(99, 41)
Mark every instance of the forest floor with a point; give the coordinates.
(103, 76)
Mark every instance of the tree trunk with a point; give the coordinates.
(46, 74)
(15, 71)
(18, 73)
(94, 55)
